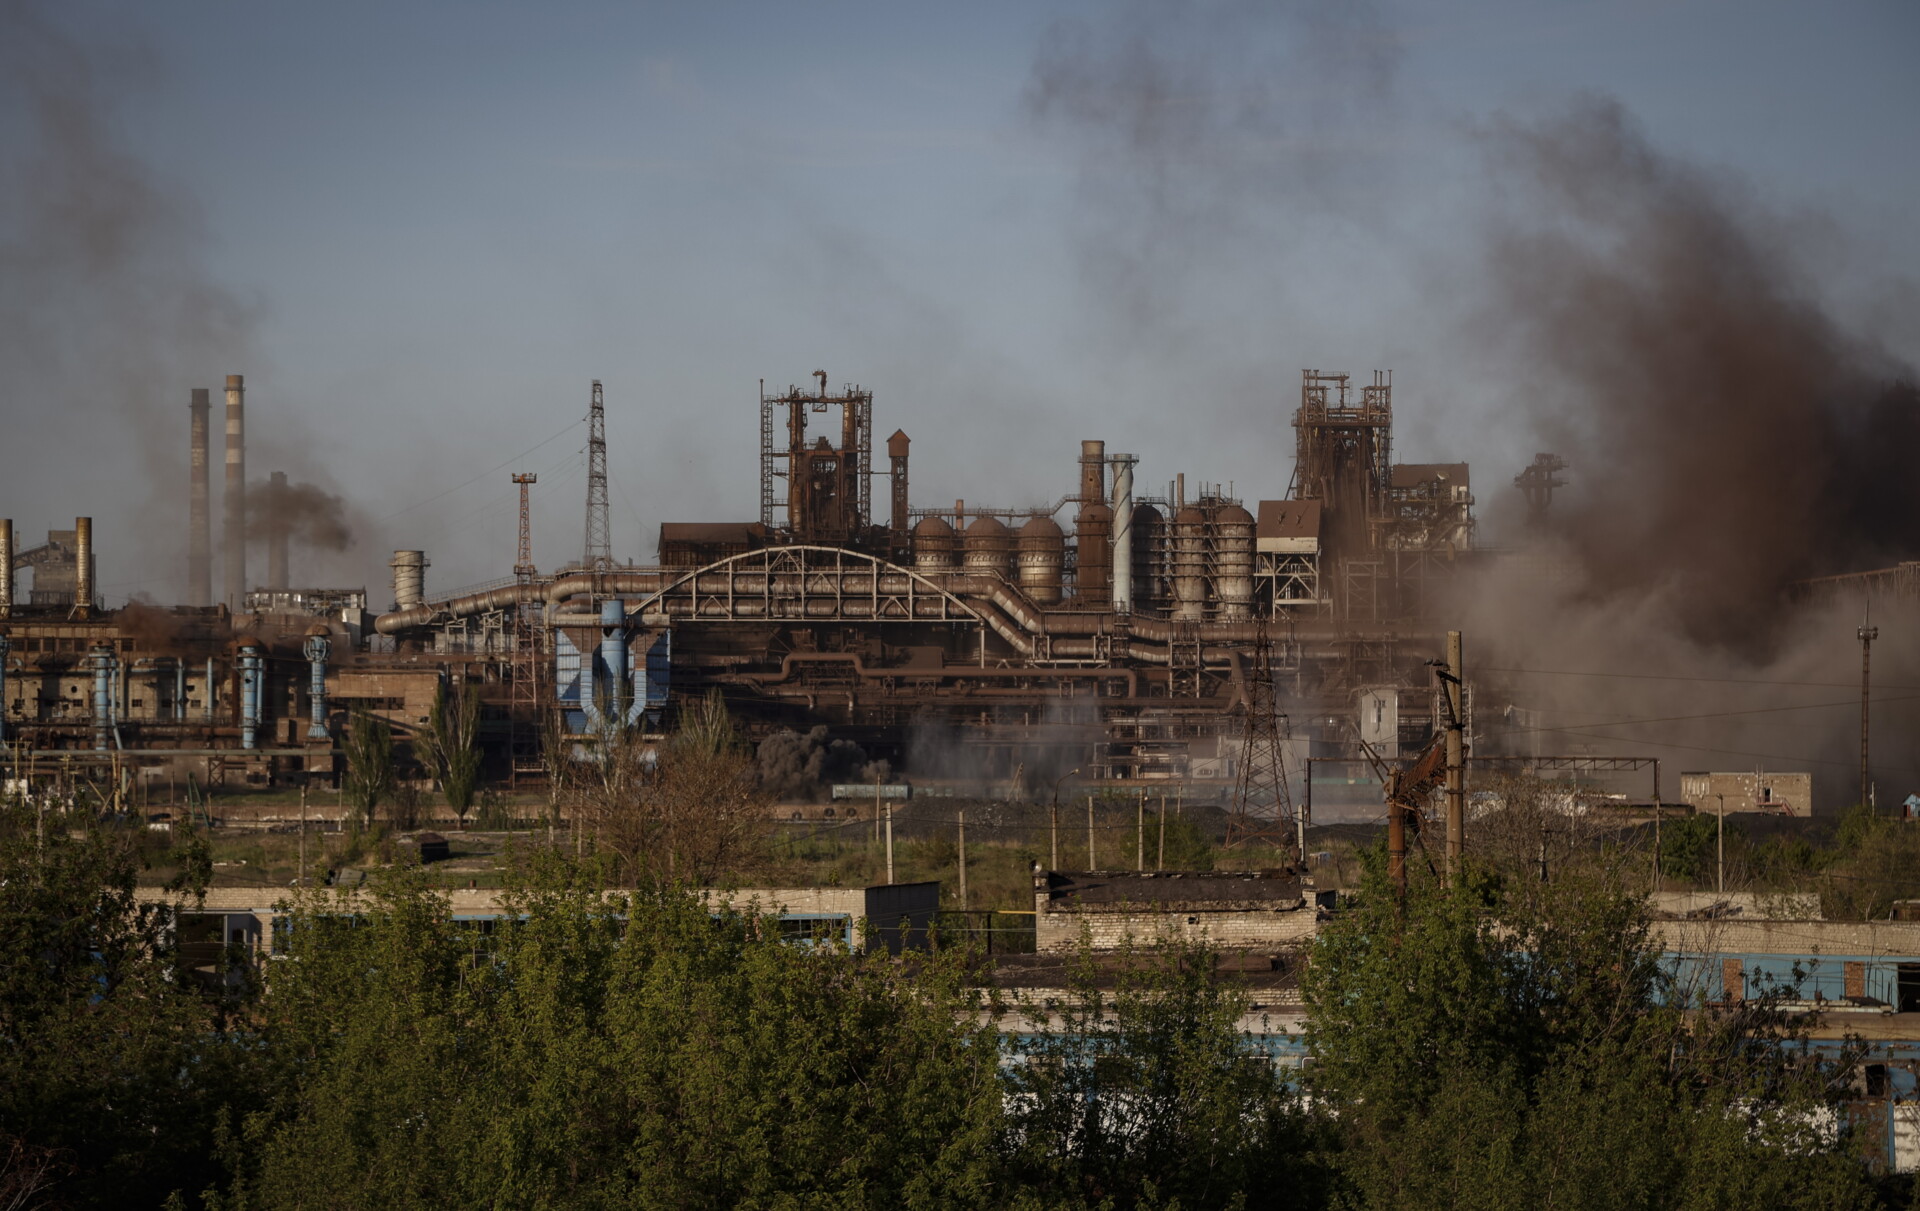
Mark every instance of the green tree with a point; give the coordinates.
(610, 1049)
(115, 1070)
(1147, 1092)
(369, 753)
(1522, 1046)
(450, 745)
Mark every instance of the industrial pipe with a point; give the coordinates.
(102, 659)
(613, 645)
(83, 565)
(249, 695)
(317, 649)
(5, 646)
(179, 689)
(207, 692)
(235, 534)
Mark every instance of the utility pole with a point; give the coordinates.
(1456, 756)
(889, 842)
(1093, 863)
(1160, 859)
(963, 861)
(1720, 850)
(1867, 635)
(1140, 833)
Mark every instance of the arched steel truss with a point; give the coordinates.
(806, 583)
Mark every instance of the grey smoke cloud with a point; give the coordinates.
(107, 314)
(1732, 434)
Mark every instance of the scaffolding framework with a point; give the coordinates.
(1343, 455)
(829, 491)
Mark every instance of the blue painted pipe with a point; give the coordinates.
(613, 626)
(102, 696)
(249, 696)
(317, 649)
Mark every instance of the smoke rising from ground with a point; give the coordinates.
(1733, 437)
(797, 766)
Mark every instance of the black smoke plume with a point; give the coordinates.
(1733, 437)
(796, 766)
(302, 513)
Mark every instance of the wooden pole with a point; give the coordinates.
(1093, 863)
(1140, 833)
(1160, 861)
(876, 796)
(1053, 836)
(963, 861)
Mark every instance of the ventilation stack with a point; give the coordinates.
(1123, 520)
(1093, 528)
(409, 579)
(83, 565)
(199, 510)
(276, 531)
(235, 531)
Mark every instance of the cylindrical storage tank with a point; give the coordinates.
(989, 549)
(1093, 543)
(933, 544)
(83, 563)
(1189, 565)
(409, 578)
(1146, 576)
(1233, 561)
(1043, 552)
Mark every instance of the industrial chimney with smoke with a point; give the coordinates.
(236, 500)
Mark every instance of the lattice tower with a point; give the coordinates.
(1262, 804)
(599, 552)
(523, 714)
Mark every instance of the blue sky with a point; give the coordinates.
(424, 228)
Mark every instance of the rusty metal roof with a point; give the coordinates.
(1168, 889)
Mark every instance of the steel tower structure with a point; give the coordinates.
(599, 553)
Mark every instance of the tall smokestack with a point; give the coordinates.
(6, 571)
(236, 521)
(83, 565)
(199, 512)
(276, 504)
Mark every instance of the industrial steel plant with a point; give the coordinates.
(1138, 636)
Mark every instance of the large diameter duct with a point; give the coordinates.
(6, 567)
(1123, 531)
(250, 671)
(235, 532)
(102, 660)
(277, 532)
(83, 565)
(613, 650)
(199, 509)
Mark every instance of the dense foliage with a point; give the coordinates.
(1497, 1045)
